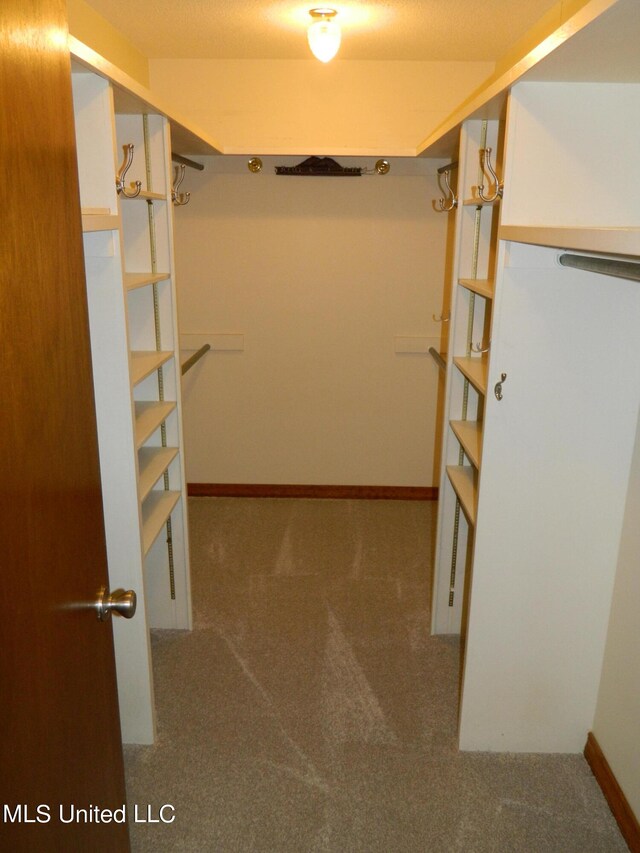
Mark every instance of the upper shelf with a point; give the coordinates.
(578, 41)
(615, 241)
(133, 99)
(598, 43)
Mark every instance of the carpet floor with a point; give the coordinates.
(310, 710)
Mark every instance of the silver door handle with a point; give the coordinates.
(121, 602)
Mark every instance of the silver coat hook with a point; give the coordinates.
(441, 318)
(121, 187)
(478, 348)
(178, 177)
(451, 200)
(485, 162)
(498, 386)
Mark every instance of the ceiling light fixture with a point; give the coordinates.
(323, 34)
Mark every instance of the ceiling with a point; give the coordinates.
(462, 30)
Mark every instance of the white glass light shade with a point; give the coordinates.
(324, 39)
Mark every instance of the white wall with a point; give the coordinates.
(319, 275)
(617, 719)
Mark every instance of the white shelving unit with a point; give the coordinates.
(535, 484)
(129, 257)
(557, 448)
(467, 375)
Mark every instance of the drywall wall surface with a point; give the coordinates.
(97, 33)
(304, 106)
(617, 719)
(307, 287)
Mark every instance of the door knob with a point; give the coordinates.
(121, 602)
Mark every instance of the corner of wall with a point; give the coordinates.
(617, 713)
(97, 33)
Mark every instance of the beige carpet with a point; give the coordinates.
(311, 711)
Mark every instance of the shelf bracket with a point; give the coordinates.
(185, 161)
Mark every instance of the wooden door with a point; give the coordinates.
(59, 728)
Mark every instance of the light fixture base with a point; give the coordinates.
(323, 12)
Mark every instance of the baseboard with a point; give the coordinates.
(250, 490)
(618, 803)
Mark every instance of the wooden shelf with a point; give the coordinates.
(145, 362)
(155, 511)
(463, 480)
(99, 221)
(481, 286)
(469, 434)
(616, 241)
(131, 97)
(132, 280)
(145, 195)
(475, 370)
(153, 462)
(149, 416)
(478, 202)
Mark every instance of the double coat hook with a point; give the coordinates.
(121, 187)
(485, 162)
(178, 177)
(450, 201)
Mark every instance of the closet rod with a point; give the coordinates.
(606, 266)
(439, 360)
(195, 358)
(447, 168)
(178, 158)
